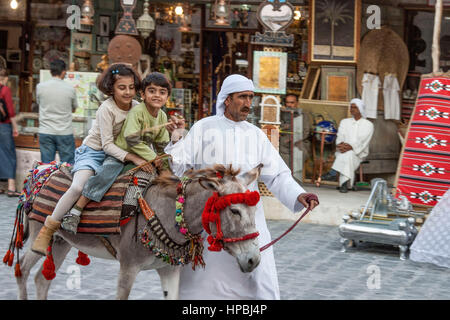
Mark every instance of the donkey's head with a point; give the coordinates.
(229, 215)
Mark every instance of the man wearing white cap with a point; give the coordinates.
(227, 138)
(352, 144)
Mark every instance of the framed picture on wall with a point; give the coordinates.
(337, 83)
(310, 84)
(13, 55)
(334, 32)
(104, 26)
(82, 41)
(102, 44)
(269, 71)
(13, 84)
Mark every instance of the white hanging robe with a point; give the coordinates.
(358, 135)
(217, 139)
(391, 96)
(371, 85)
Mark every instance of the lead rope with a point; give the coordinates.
(285, 233)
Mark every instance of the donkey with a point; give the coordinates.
(236, 220)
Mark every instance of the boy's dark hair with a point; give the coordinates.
(105, 82)
(158, 79)
(57, 67)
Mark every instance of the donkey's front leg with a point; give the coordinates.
(27, 261)
(170, 281)
(60, 249)
(127, 276)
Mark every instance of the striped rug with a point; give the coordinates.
(97, 218)
(424, 173)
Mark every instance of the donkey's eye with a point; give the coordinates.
(236, 212)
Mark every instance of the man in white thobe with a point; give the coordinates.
(227, 138)
(352, 144)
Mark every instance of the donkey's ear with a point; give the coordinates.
(209, 183)
(252, 175)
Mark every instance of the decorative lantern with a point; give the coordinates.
(145, 23)
(14, 4)
(222, 12)
(87, 11)
(185, 19)
(126, 24)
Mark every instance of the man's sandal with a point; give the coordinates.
(11, 193)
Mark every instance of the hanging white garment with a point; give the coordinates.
(217, 139)
(358, 135)
(391, 90)
(370, 87)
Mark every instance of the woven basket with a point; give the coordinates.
(382, 51)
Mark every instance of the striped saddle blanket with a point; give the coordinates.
(97, 218)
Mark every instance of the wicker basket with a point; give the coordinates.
(382, 51)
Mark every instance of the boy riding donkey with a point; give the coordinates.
(144, 133)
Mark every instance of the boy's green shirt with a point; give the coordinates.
(146, 145)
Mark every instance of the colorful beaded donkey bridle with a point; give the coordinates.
(211, 214)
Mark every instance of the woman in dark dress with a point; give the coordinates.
(8, 130)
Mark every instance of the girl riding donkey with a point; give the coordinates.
(156, 90)
(144, 131)
(120, 83)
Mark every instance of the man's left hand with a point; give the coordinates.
(308, 200)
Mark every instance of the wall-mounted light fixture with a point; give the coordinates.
(179, 10)
(145, 24)
(87, 12)
(297, 14)
(222, 12)
(14, 4)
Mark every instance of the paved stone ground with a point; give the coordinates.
(310, 266)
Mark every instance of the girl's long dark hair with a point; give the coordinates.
(105, 82)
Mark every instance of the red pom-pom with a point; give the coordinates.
(83, 259)
(252, 198)
(11, 259)
(17, 272)
(6, 257)
(214, 244)
(48, 270)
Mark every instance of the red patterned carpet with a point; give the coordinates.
(424, 175)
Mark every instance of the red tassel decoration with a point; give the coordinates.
(6, 257)
(17, 272)
(215, 245)
(11, 259)
(83, 259)
(49, 266)
(19, 239)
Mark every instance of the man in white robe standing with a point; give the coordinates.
(227, 138)
(352, 144)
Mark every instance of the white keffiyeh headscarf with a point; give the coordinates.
(231, 84)
(361, 106)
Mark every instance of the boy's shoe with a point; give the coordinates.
(70, 223)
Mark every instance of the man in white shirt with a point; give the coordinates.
(227, 138)
(57, 100)
(352, 145)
